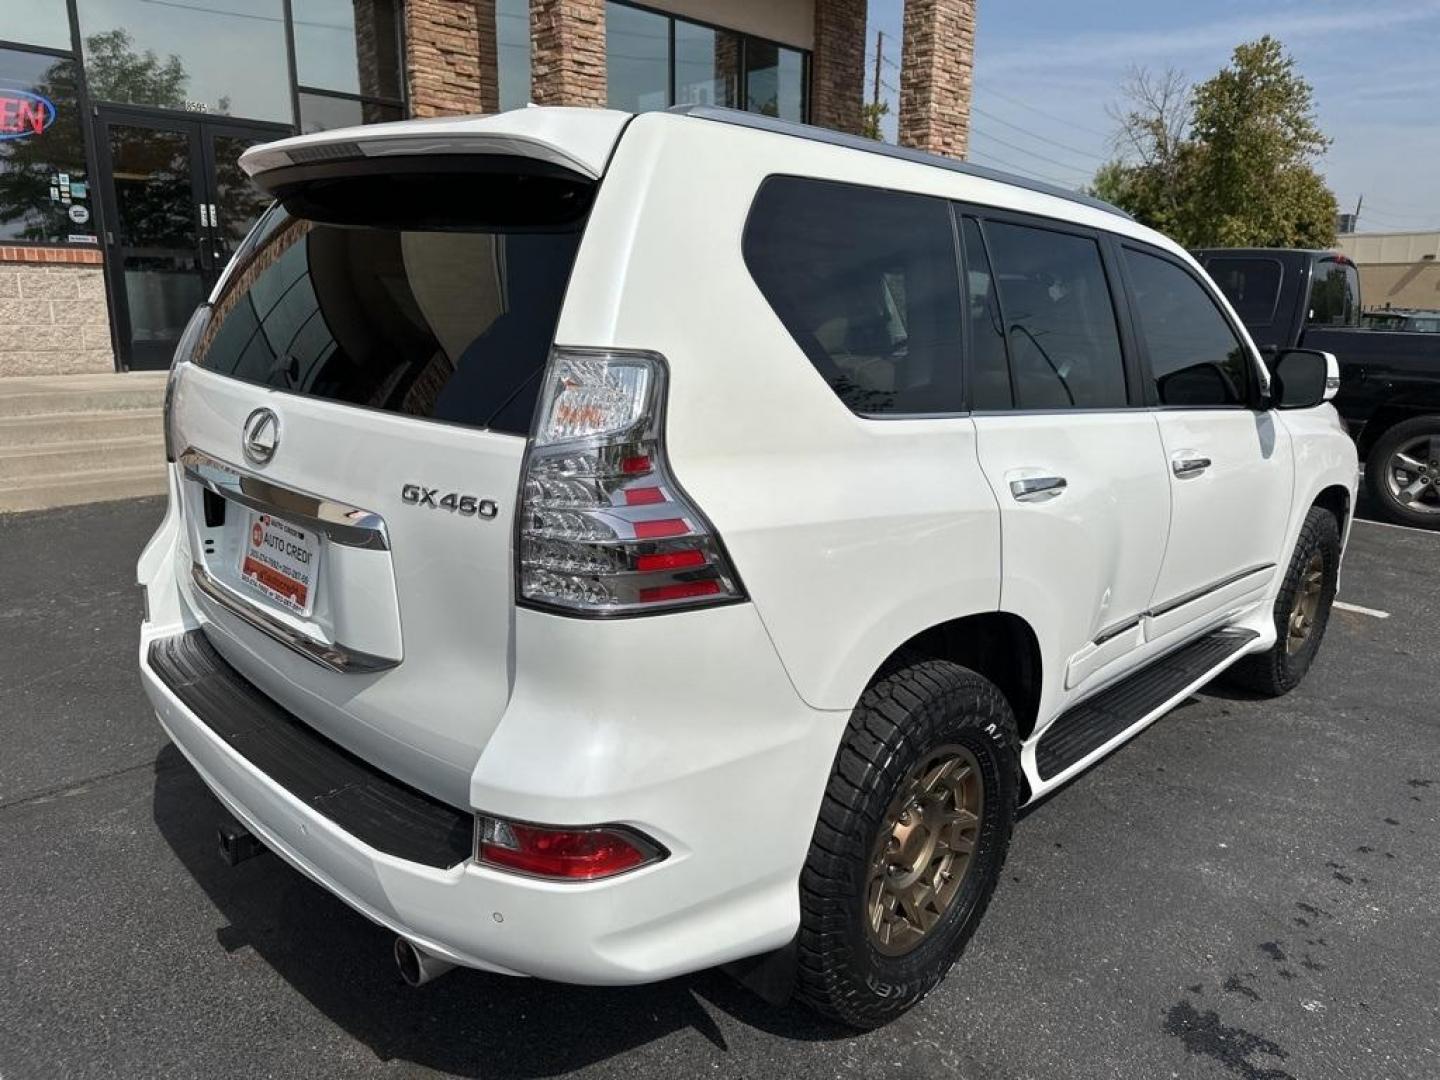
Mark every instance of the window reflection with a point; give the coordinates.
(637, 47)
(349, 46)
(216, 56)
(774, 80)
(512, 51)
(707, 66)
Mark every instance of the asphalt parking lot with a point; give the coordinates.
(1247, 890)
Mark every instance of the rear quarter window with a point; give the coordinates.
(865, 281)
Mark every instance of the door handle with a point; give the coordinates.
(1031, 489)
(1188, 463)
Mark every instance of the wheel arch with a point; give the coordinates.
(1387, 416)
(1336, 499)
(998, 645)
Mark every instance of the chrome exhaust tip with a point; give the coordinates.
(417, 967)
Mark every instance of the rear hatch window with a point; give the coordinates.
(430, 295)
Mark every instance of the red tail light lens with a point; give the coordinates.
(604, 528)
(563, 854)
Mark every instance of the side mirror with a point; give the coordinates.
(1303, 378)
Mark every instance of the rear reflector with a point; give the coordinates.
(562, 854)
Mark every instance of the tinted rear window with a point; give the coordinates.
(1251, 285)
(866, 283)
(447, 320)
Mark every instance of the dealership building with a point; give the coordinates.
(121, 120)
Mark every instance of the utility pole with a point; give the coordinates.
(1355, 225)
(879, 58)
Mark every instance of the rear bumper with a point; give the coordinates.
(684, 728)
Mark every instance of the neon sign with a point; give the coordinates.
(23, 114)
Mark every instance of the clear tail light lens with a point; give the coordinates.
(184, 352)
(562, 854)
(604, 529)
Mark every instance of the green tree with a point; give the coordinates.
(117, 72)
(872, 112)
(1227, 163)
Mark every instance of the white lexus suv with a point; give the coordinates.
(602, 547)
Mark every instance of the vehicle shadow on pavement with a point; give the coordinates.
(468, 1022)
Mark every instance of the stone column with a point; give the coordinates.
(567, 50)
(937, 63)
(488, 56)
(442, 56)
(837, 69)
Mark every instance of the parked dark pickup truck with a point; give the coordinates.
(1390, 380)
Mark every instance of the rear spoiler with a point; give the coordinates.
(577, 140)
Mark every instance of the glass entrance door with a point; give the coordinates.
(177, 205)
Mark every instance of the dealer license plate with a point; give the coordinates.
(280, 562)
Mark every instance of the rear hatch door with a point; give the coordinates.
(352, 430)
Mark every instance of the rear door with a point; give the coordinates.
(1229, 462)
(1076, 465)
(351, 436)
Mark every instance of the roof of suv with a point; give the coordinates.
(581, 140)
(874, 146)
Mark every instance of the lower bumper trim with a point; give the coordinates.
(375, 808)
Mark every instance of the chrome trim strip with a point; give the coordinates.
(336, 657)
(340, 523)
(1181, 601)
(1115, 631)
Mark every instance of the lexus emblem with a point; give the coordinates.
(260, 436)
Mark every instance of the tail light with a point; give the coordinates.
(604, 528)
(562, 854)
(184, 352)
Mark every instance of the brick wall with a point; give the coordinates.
(838, 67)
(937, 62)
(442, 56)
(54, 319)
(567, 65)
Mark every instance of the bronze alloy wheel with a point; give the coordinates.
(922, 854)
(1307, 603)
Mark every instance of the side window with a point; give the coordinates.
(1334, 295)
(989, 367)
(1251, 285)
(866, 283)
(1059, 319)
(1195, 358)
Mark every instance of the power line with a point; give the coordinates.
(1048, 116)
(1010, 166)
(1031, 153)
(1037, 136)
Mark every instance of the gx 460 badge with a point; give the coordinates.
(465, 505)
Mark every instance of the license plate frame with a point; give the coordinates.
(280, 562)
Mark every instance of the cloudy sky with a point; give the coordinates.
(1047, 69)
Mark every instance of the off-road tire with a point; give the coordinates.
(1277, 671)
(915, 708)
(1377, 464)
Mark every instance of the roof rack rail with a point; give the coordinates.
(873, 146)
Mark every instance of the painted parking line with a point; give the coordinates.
(1358, 610)
(1392, 525)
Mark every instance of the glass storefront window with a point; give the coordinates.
(206, 56)
(512, 48)
(774, 80)
(655, 60)
(350, 46)
(44, 23)
(707, 65)
(637, 48)
(45, 194)
(321, 112)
